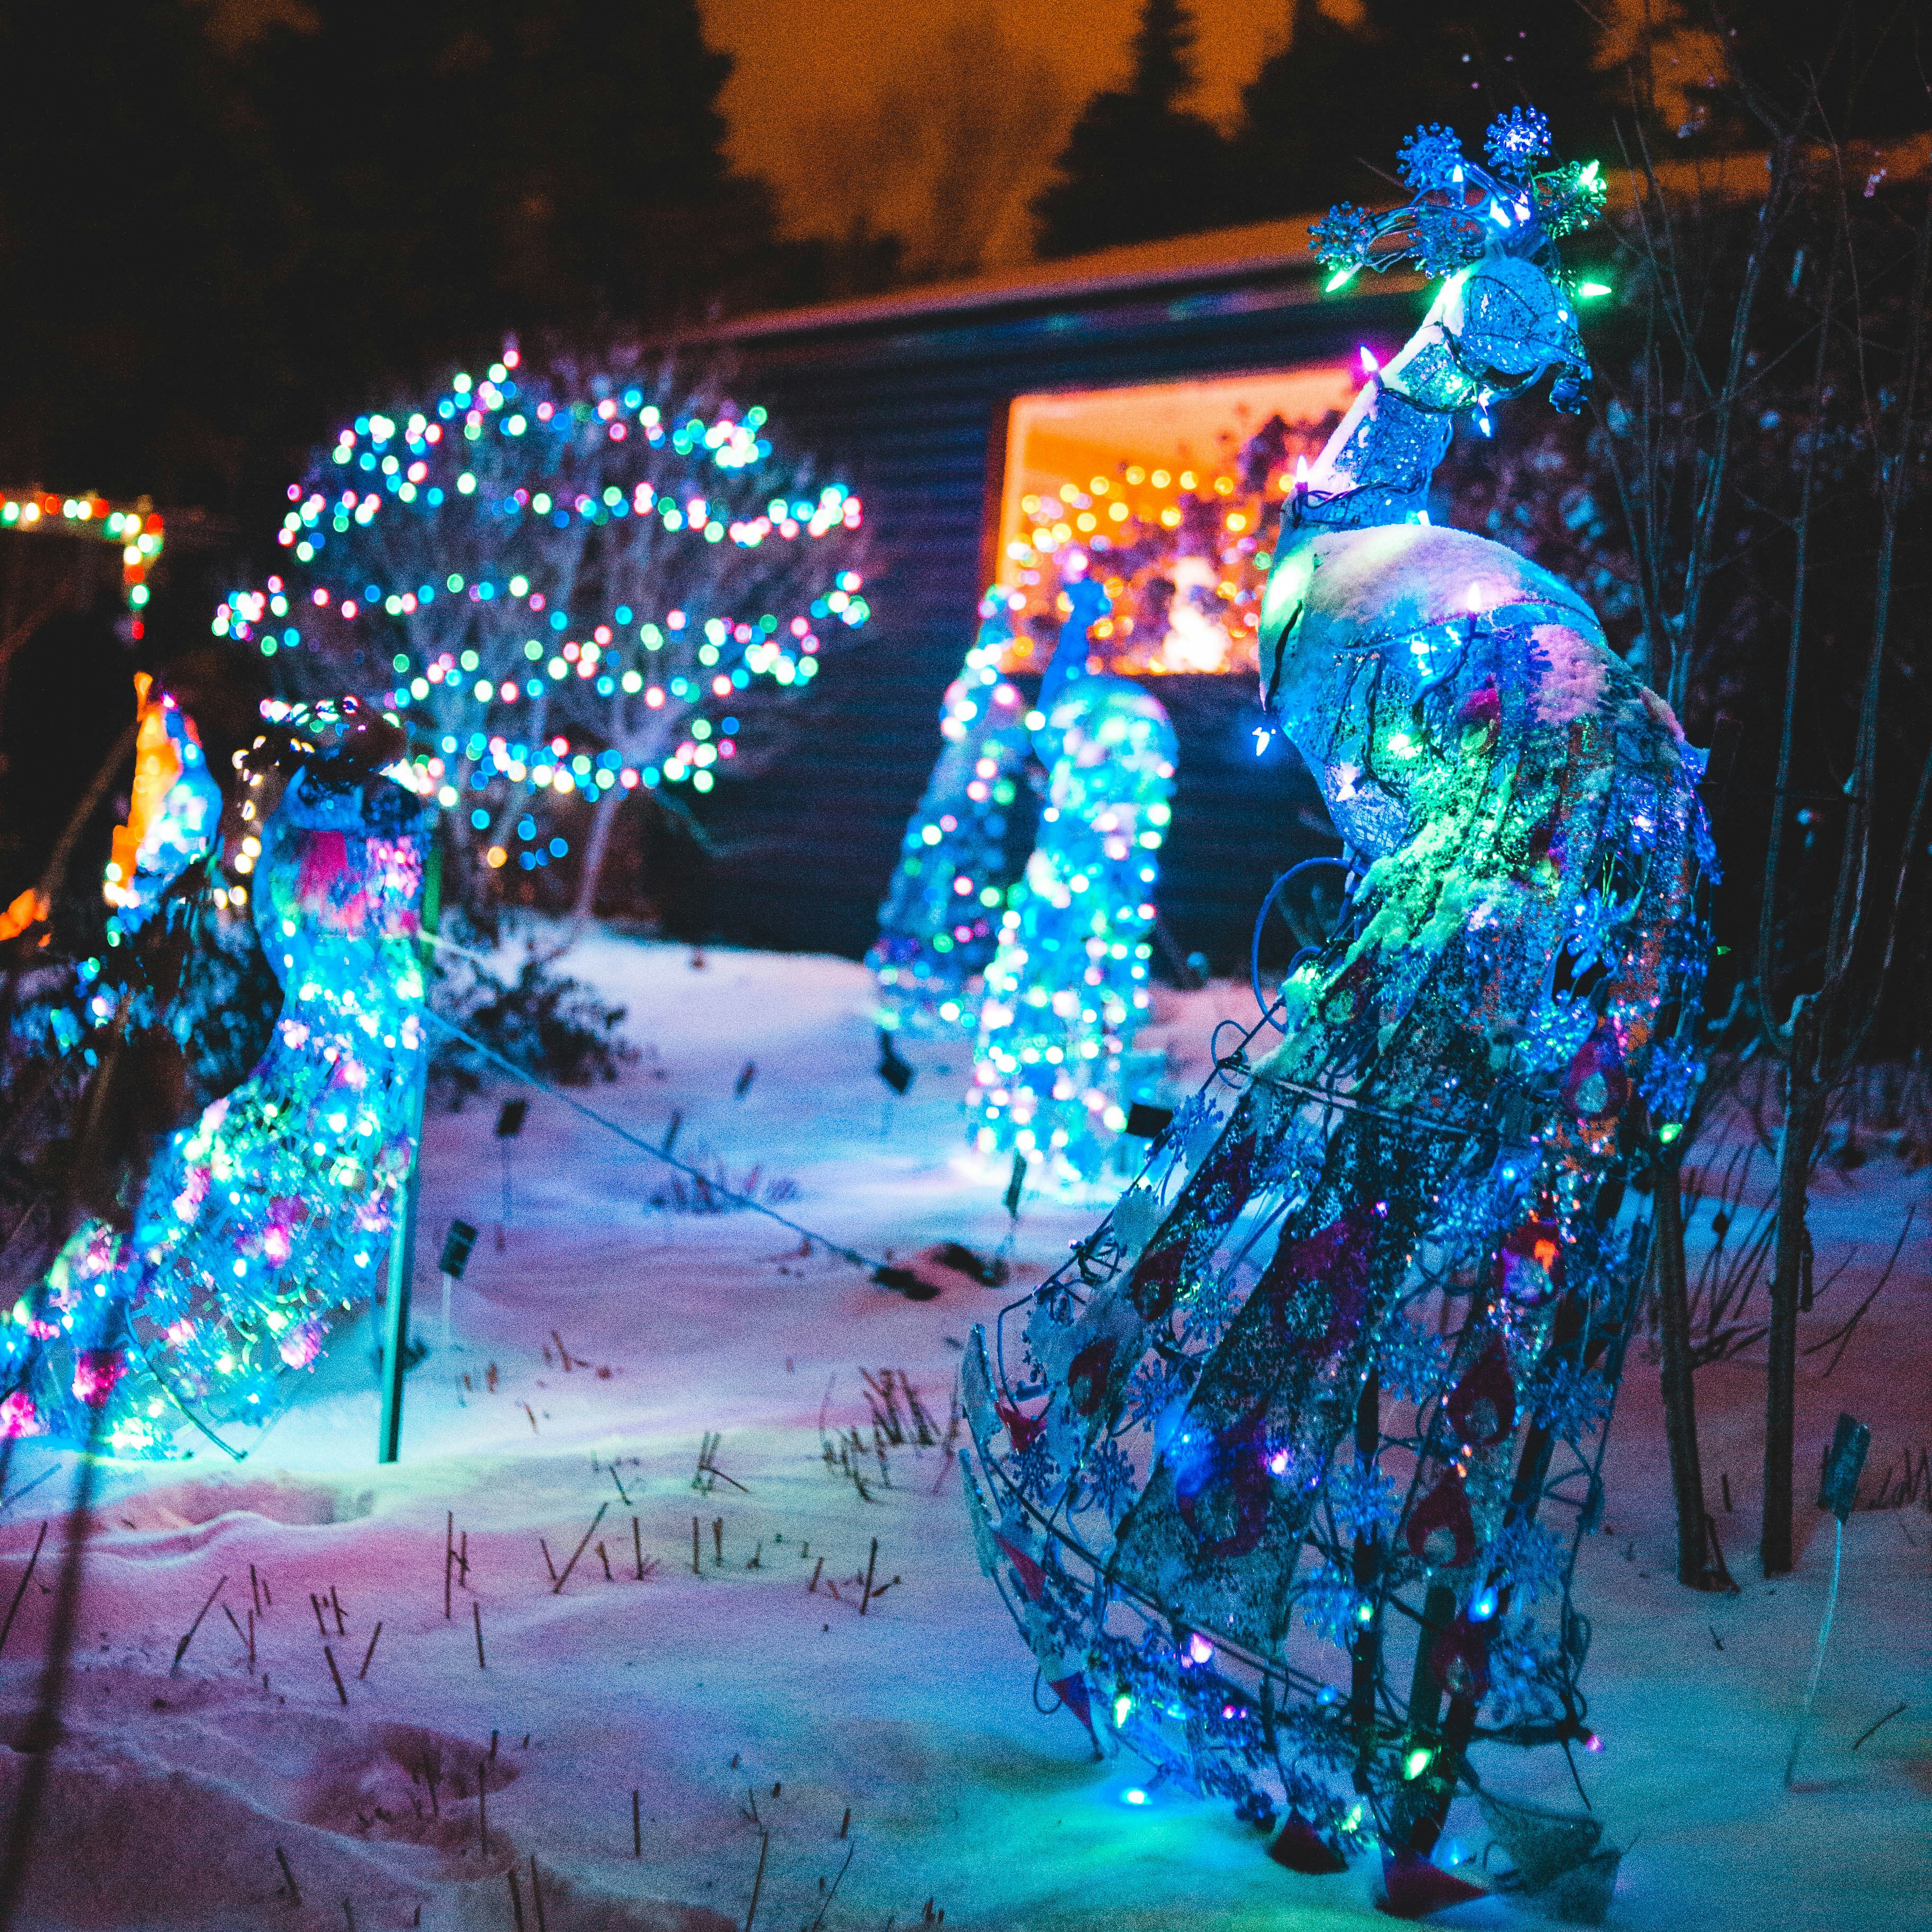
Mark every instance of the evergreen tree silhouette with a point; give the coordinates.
(1138, 166)
(1335, 95)
(1295, 147)
(510, 166)
(221, 225)
(138, 253)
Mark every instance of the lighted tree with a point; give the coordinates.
(561, 579)
(1138, 165)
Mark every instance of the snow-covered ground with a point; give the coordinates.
(891, 1748)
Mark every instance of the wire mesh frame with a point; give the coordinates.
(1601, 1330)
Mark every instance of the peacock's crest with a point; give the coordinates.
(1461, 210)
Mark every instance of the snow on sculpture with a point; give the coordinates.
(1068, 985)
(264, 1223)
(939, 922)
(1266, 1467)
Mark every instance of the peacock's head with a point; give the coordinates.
(1506, 313)
(1504, 324)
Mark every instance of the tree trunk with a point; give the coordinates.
(1804, 1113)
(603, 817)
(1680, 1407)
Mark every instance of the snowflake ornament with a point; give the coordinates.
(1458, 205)
(1432, 157)
(1571, 198)
(1515, 140)
(1343, 236)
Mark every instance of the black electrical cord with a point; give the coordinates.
(1274, 891)
(882, 1272)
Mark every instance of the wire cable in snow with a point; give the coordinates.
(882, 1272)
(1818, 1661)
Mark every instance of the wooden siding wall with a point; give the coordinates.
(912, 414)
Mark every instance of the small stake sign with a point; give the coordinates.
(893, 1069)
(456, 1246)
(1016, 1186)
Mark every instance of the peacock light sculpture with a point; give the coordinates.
(939, 925)
(1281, 1475)
(1068, 986)
(265, 1222)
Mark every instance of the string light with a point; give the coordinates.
(137, 529)
(1184, 559)
(174, 807)
(262, 1224)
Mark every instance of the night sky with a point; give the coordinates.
(823, 92)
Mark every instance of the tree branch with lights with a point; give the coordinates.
(563, 581)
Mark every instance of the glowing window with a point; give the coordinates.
(1170, 493)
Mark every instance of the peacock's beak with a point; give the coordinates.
(1571, 392)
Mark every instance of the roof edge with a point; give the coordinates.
(1263, 248)
(1256, 250)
